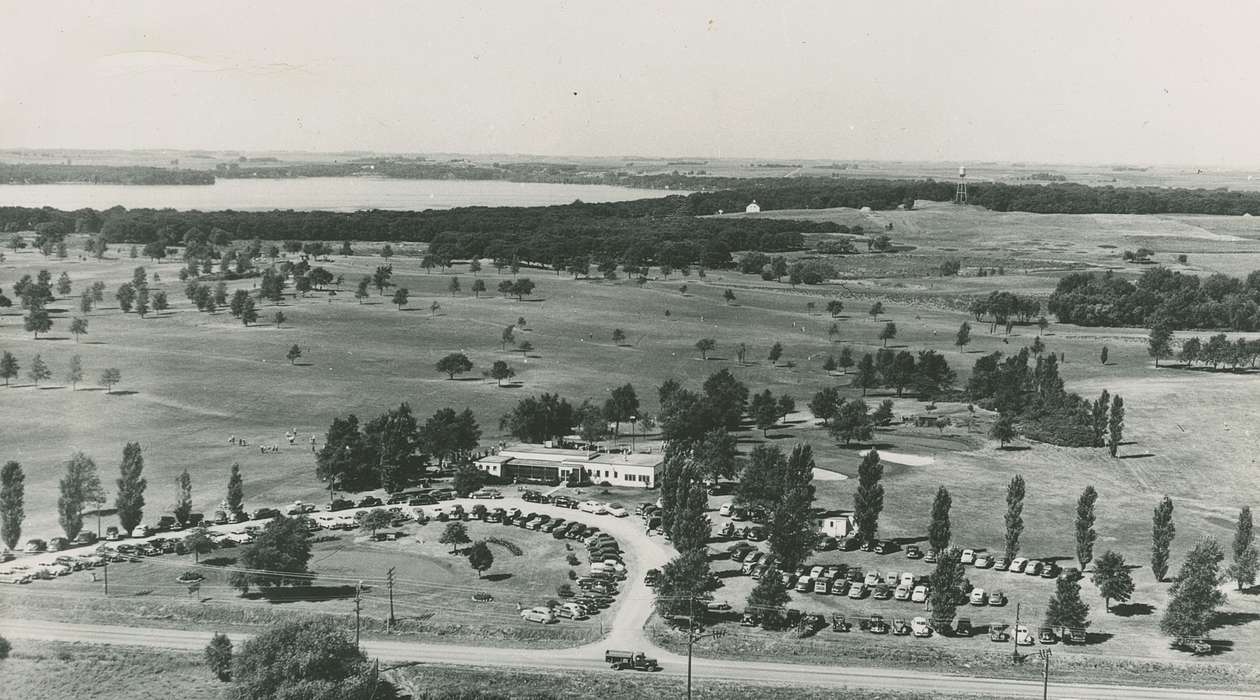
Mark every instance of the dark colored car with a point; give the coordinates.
(265, 514)
(1050, 570)
(341, 504)
(369, 502)
(913, 552)
(885, 547)
(877, 625)
(962, 627)
(564, 502)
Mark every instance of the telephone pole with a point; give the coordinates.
(358, 590)
(1045, 655)
(389, 577)
(693, 637)
(105, 568)
(1015, 636)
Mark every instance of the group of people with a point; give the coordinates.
(290, 435)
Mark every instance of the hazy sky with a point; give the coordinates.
(1091, 81)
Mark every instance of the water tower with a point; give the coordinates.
(960, 192)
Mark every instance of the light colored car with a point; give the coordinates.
(805, 585)
(920, 627)
(1024, 636)
(540, 615)
(857, 591)
(725, 509)
(968, 556)
(591, 507)
(1017, 565)
(903, 592)
(816, 572)
(822, 585)
(979, 597)
(920, 594)
(907, 579)
(983, 561)
(891, 579)
(871, 579)
(616, 510)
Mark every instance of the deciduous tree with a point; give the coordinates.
(235, 499)
(219, 656)
(455, 535)
(888, 332)
(9, 366)
(1112, 577)
(81, 485)
(12, 503)
(480, 558)
(1065, 608)
(1014, 518)
(1195, 593)
(278, 557)
(1085, 535)
(39, 370)
(939, 529)
(183, 498)
(453, 364)
(868, 499)
(500, 371)
(705, 346)
(1246, 562)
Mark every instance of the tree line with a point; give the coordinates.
(1158, 296)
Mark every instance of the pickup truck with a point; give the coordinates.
(630, 660)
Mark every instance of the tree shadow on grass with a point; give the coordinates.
(466, 379)
(54, 337)
(496, 577)
(51, 387)
(512, 385)
(302, 364)
(1015, 448)
(125, 392)
(1097, 637)
(1132, 609)
(92, 388)
(1142, 455)
(301, 594)
(1056, 560)
(903, 541)
(1233, 618)
(94, 342)
(219, 561)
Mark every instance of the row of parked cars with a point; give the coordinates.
(596, 590)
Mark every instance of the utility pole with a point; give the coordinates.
(389, 577)
(1015, 636)
(105, 568)
(1045, 673)
(692, 638)
(358, 590)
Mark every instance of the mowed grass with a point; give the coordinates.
(433, 592)
(199, 379)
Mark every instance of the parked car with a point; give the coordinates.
(1017, 565)
(877, 625)
(266, 514)
(882, 592)
(485, 494)
(827, 544)
(930, 557)
(919, 626)
(913, 552)
(540, 615)
(968, 556)
(756, 534)
(1050, 570)
(340, 504)
(724, 510)
(85, 537)
(900, 627)
(591, 507)
(564, 502)
(997, 599)
(885, 547)
(1033, 568)
(58, 544)
(616, 510)
(999, 632)
(1024, 636)
(369, 502)
(1046, 635)
(822, 586)
(112, 534)
(978, 597)
(35, 546)
(903, 592)
(920, 594)
(804, 585)
(840, 586)
(1001, 564)
(962, 627)
(857, 591)
(983, 561)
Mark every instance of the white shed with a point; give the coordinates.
(752, 208)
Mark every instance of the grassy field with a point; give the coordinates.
(191, 380)
(100, 672)
(433, 595)
(431, 682)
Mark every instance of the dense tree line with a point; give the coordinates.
(46, 173)
(1159, 296)
(392, 449)
(1217, 351)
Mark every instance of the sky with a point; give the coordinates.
(1064, 82)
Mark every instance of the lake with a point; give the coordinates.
(324, 193)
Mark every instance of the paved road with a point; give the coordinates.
(591, 660)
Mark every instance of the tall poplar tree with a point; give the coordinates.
(1085, 535)
(12, 503)
(131, 484)
(1246, 562)
(868, 500)
(235, 492)
(939, 530)
(1115, 425)
(1014, 515)
(1162, 532)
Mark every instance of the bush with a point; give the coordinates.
(5, 648)
(506, 544)
(572, 575)
(564, 590)
(219, 657)
(573, 560)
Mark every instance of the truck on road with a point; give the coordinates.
(630, 660)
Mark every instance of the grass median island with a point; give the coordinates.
(433, 593)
